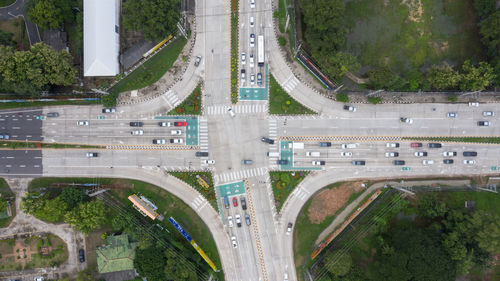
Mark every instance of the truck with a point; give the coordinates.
(313, 153)
(349, 145)
(296, 145)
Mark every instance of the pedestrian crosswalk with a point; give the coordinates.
(273, 134)
(301, 193)
(238, 109)
(238, 175)
(290, 83)
(203, 133)
(171, 98)
(199, 202)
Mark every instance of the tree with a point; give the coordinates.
(73, 196)
(85, 275)
(50, 14)
(87, 216)
(486, 228)
(157, 19)
(150, 263)
(337, 263)
(338, 64)
(3, 205)
(6, 38)
(430, 206)
(443, 77)
(484, 8)
(52, 210)
(490, 32)
(384, 78)
(476, 77)
(173, 270)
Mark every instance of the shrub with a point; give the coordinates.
(452, 98)
(374, 100)
(282, 41)
(342, 97)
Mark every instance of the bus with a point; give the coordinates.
(260, 53)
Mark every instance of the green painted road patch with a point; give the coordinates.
(231, 189)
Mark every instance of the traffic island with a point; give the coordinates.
(281, 103)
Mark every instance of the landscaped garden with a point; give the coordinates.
(283, 184)
(7, 198)
(201, 181)
(457, 139)
(234, 51)
(191, 105)
(282, 103)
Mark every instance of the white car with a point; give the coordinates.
(252, 61)
(346, 154)
(238, 220)
(420, 153)
(289, 228)
(164, 124)
(92, 154)
(230, 221)
(406, 120)
(176, 141)
(137, 132)
(449, 153)
(469, 162)
(452, 115)
(211, 162)
(391, 154)
(176, 132)
(318, 163)
(233, 241)
(160, 141)
(231, 112)
(476, 104)
(392, 144)
(488, 113)
(243, 58)
(82, 123)
(349, 108)
(252, 4)
(427, 162)
(252, 22)
(252, 40)
(252, 79)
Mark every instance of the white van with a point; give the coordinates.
(349, 145)
(273, 154)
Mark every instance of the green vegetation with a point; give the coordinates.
(374, 100)
(342, 97)
(281, 15)
(234, 51)
(282, 103)
(8, 105)
(191, 178)
(457, 139)
(6, 195)
(282, 41)
(50, 14)
(283, 184)
(191, 105)
(148, 73)
(6, 38)
(157, 264)
(157, 19)
(5, 3)
(34, 144)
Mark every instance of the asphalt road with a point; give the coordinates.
(21, 124)
(20, 163)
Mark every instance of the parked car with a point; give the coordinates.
(243, 203)
(469, 153)
(392, 145)
(136, 124)
(318, 163)
(427, 162)
(52, 114)
(282, 162)
(416, 144)
(349, 108)
(82, 123)
(180, 124)
(81, 255)
(289, 228)
(483, 123)
(358, 162)
(434, 145)
(391, 154)
(164, 124)
(197, 60)
(398, 162)
(267, 140)
(420, 153)
(469, 162)
(137, 132)
(235, 202)
(92, 154)
(108, 110)
(451, 115)
(176, 141)
(448, 161)
(488, 113)
(406, 120)
(325, 144)
(449, 153)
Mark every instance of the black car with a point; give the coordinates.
(398, 162)
(267, 140)
(448, 161)
(282, 162)
(201, 154)
(81, 255)
(52, 114)
(358, 162)
(325, 144)
(434, 145)
(470, 153)
(108, 110)
(243, 202)
(136, 124)
(483, 123)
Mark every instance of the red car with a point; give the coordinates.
(235, 201)
(416, 144)
(180, 124)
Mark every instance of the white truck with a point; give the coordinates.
(296, 145)
(313, 153)
(349, 145)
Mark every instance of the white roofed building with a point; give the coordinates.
(101, 39)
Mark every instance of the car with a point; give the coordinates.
(159, 141)
(416, 144)
(406, 120)
(349, 108)
(247, 162)
(392, 145)
(252, 40)
(252, 79)
(473, 104)
(233, 241)
(52, 114)
(398, 162)
(252, 4)
(39, 278)
(92, 154)
(420, 153)
(318, 163)
(391, 154)
(82, 123)
(469, 162)
(136, 124)
(346, 154)
(448, 161)
(349, 145)
(235, 201)
(488, 113)
(252, 61)
(238, 220)
(243, 76)
(451, 115)
(434, 145)
(358, 162)
(164, 124)
(243, 58)
(483, 123)
(4, 137)
(259, 78)
(282, 162)
(289, 228)
(209, 162)
(201, 154)
(230, 221)
(324, 144)
(81, 255)
(137, 132)
(267, 140)
(252, 22)
(197, 60)
(427, 162)
(176, 132)
(247, 219)
(231, 112)
(243, 203)
(285, 276)
(108, 110)
(180, 124)
(469, 153)
(449, 153)
(176, 141)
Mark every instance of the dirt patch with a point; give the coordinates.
(416, 9)
(329, 201)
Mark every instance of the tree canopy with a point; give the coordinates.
(87, 216)
(49, 14)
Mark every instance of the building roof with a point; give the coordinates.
(100, 38)
(143, 206)
(117, 255)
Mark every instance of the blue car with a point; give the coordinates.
(259, 78)
(4, 137)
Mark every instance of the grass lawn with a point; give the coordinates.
(152, 70)
(22, 144)
(486, 201)
(191, 105)
(282, 103)
(281, 15)
(234, 51)
(457, 139)
(7, 194)
(8, 105)
(283, 184)
(4, 3)
(191, 178)
(410, 36)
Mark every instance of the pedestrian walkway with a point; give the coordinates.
(273, 134)
(171, 99)
(198, 203)
(290, 83)
(238, 109)
(203, 134)
(238, 175)
(301, 193)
